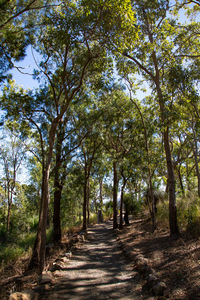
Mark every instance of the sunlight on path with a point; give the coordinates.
(97, 270)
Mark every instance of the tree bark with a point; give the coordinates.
(88, 201)
(58, 185)
(56, 215)
(173, 224)
(85, 200)
(180, 180)
(122, 203)
(39, 250)
(38, 255)
(174, 230)
(115, 188)
(195, 151)
(101, 192)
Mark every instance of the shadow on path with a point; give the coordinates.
(97, 271)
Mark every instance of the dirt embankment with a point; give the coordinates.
(175, 262)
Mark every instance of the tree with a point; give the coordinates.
(152, 55)
(11, 156)
(68, 53)
(118, 135)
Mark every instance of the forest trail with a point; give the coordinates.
(97, 270)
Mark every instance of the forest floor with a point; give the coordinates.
(177, 262)
(98, 268)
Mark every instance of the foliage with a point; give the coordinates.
(131, 205)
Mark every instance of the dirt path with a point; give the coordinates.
(97, 270)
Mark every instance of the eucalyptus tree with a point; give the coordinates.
(69, 137)
(152, 55)
(12, 156)
(68, 44)
(88, 151)
(182, 86)
(119, 134)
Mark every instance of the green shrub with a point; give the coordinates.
(188, 214)
(26, 240)
(163, 214)
(131, 205)
(10, 253)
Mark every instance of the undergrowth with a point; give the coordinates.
(18, 245)
(188, 214)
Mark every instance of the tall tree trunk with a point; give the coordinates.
(56, 214)
(195, 151)
(38, 255)
(173, 224)
(101, 192)
(180, 180)
(9, 209)
(174, 230)
(85, 200)
(122, 203)
(8, 217)
(88, 201)
(187, 177)
(39, 250)
(115, 188)
(58, 185)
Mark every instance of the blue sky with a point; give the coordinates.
(27, 65)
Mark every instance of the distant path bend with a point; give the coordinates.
(97, 271)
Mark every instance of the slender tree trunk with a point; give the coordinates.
(56, 215)
(8, 217)
(85, 201)
(115, 188)
(58, 185)
(101, 192)
(180, 180)
(38, 255)
(195, 151)
(9, 208)
(174, 230)
(88, 201)
(39, 250)
(122, 203)
(187, 177)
